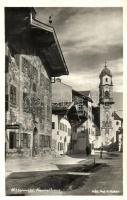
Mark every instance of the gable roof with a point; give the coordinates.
(117, 117)
(85, 93)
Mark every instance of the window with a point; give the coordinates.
(26, 102)
(117, 123)
(47, 141)
(106, 79)
(106, 94)
(13, 140)
(53, 125)
(34, 87)
(13, 95)
(44, 141)
(6, 102)
(6, 64)
(80, 107)
(61, 146)
(25, 140)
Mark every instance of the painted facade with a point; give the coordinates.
(28, 83)
(106, 103)
(29, 103)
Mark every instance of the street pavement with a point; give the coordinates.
(67, 174)
(108, 180)
(46, 163)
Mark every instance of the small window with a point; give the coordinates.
(26, 102)
(6, 102)
(80, 107)
(117, 123)
(6, 64)
(13, 95)
(47, 141)
(13, 140)
(34, 87)
(53, 125)
(106, 79)
(25, 140)
(106, 94)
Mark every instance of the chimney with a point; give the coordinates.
(58, 80)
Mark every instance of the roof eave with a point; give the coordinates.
(40, 25)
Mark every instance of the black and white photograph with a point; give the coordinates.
(63, 101)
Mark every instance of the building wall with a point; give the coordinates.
(61, 92)
(61, 135)
(28, 98)
(120, 142)
(106, 116)
(116, 124)
(82, 139)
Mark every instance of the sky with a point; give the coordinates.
(88, 37)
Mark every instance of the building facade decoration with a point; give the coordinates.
(28, 82)
(106, 103)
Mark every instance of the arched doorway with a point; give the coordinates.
(35, 141)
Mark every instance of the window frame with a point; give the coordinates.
(13, 95)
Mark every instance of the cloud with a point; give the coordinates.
(87, 37)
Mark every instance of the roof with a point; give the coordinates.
(62, 105)
(20, 24)
(105, 71)
(117, 117)
(67, 108)
(85, 93)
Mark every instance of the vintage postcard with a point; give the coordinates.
(64, 117)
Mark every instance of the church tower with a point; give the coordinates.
(106, 106)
